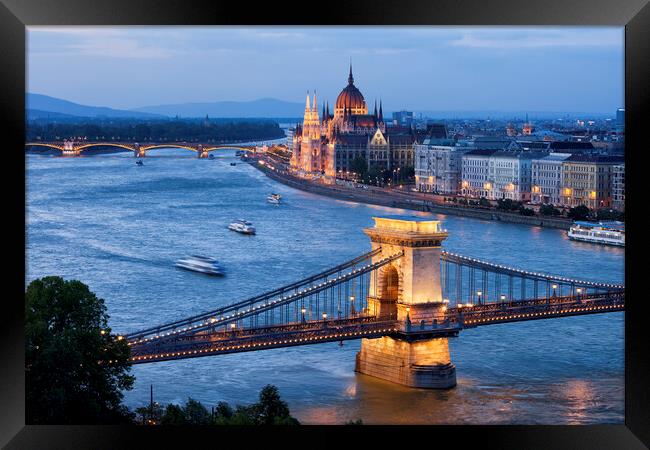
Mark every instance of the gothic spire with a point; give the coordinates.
(307, 106)
(381, 113)
(375, 108)
(350, 77)
(314, 105)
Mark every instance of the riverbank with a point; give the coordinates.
(383, 198)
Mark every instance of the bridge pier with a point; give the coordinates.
(201, 152)
(138, 151)
(409, 290)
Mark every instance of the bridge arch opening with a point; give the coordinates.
(389, 287)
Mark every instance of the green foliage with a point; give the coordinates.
(579, 212)
(549, 210)
(359, 165)
(609, 214)
(75, 369)
(526, 211)
(174, 415)
(506, 204)
(223, 413)
(211, 131)
(196, 413)
(270, 409)
(483, 201)
(150, 414)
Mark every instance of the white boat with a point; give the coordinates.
(274, 198)
(202, 264)
(242, 226)
(610, 233)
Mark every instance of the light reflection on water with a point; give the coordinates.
(119, 228)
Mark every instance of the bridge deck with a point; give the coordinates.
(207, 342)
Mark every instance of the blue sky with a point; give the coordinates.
(572, 69)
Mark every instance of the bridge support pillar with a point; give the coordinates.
(408, 291)
(201, 152)
(138, 152)
(420, 364)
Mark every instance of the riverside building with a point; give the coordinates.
(547, 178)
(497, 174)
(438, 165)
(587, 180)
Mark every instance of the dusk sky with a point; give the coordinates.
(572, 69)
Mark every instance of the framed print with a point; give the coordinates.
(372, 214)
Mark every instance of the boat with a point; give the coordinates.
(202, 264)
(606, 232)
(139, 163)
(233, 164)
(242, 226)
(240, 153)
(210, 156)
(274, 198)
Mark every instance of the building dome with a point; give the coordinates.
(351, 97)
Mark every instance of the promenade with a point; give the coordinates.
(416, 201)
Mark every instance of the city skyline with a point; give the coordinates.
(572, 69)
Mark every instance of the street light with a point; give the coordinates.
(554, 288)
(303, 310)
(479, 293)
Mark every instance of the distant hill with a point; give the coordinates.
(264, 107)
(34, 114)
(44, 104)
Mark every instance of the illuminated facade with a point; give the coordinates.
(547, 178)
(325, 145)
(587, 180)
(438, 166)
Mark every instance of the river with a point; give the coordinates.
(119, 228)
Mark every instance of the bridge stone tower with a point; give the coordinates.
(408, 290)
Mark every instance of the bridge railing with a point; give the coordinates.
(467, 280)
(499, 312)
(329, 298)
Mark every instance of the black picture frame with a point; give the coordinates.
(16, 14)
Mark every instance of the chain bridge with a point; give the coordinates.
(404, 299)
(75, 148)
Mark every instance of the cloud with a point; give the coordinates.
(96, 41)
(523, 39)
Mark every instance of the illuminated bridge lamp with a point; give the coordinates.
(554, 288)
(503, 298)
(479, 293)
(233, 325)
(324, 316)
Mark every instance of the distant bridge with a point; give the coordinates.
(75, 148)
(405, 298)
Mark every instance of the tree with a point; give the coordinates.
(359, 165)
(483, 201)
(609, 214)
(75, 369)
(196, 413)
(526, 211)
(271, 409)
(223, 413)
(580, 212)
(173, 415)
(549, 210)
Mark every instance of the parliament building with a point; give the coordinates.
(325, 145)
